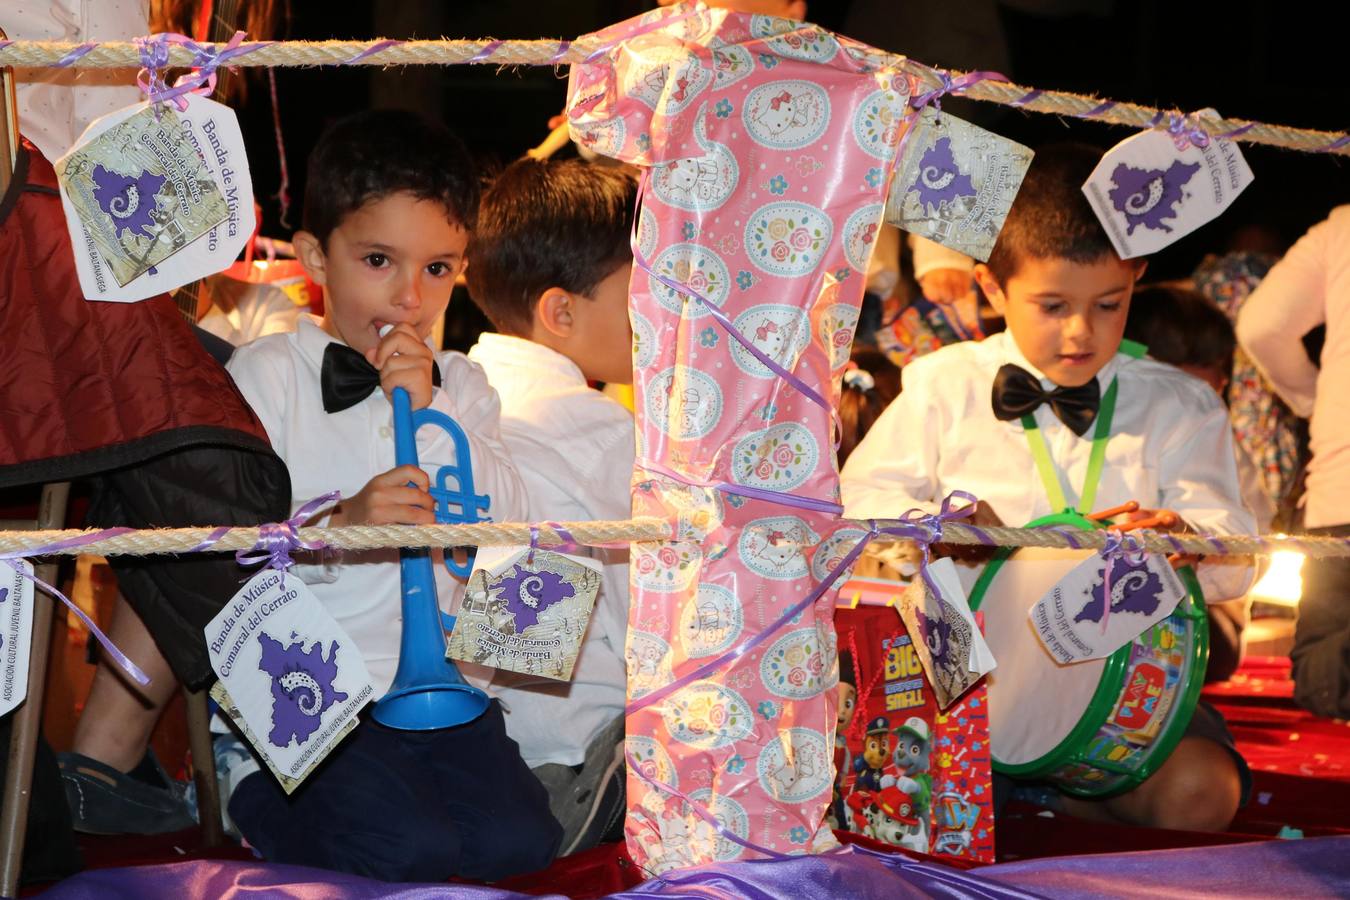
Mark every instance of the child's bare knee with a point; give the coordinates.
(1198, 789)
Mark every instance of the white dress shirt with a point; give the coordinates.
(574, 448)
(1171, 447)
(1310, 287)
(279, 376)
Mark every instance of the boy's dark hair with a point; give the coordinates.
(373, 154)
(1181, 327)
(1051, 217)
(545, 224)
(859, 409)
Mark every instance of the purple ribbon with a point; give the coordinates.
(932, 524)
(782, 498)
(11, 559)
(699, 810)
(922, 530)
(1186, 132)
(73, 55)
(953, 86)
(277, 541)
(489, 48)
(205, 60)
(374, 48)
(1099, 109)
(1118, 546)
(563, 46)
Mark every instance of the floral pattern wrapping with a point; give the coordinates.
(1263, 426)
(766, 147)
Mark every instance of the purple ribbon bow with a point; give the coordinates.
(952, 86)
(1185, 132)
(932, 531)
(1118, 546)
(277, 541)
(206, 59)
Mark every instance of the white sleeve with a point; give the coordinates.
(894, 467)
(1198, 479)
(1288, 303)
(466, 397)
(265, 384)
(929, 255)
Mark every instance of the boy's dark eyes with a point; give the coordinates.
(376, 260)
(438, 268)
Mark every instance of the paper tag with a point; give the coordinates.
(155, 203)
(526, 615)
(16, 634)
(1072, 622)
(949, 644)
(1148, 194)
(955, 183)
(294, 678)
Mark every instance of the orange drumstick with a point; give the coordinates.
(1164, 518)
(1122, 509)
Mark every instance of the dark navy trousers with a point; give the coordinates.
(408, 806)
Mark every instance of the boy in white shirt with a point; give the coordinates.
(1065, 295)
(549, 266)
(389, 202)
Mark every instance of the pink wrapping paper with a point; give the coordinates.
(766, 148)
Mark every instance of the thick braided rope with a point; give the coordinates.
(123, 54)
(149, 542)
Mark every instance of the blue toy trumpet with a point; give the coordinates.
(428, 692)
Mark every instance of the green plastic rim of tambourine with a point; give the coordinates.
(1071, 750)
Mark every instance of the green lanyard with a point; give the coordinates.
(1040, 451)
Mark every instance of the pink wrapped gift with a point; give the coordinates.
(766, 148)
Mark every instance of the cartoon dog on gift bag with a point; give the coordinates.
(911, 760)
(843, 759)
(899, 821)
(875, 755)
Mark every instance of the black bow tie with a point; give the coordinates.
(1018, 393)
(347, 378)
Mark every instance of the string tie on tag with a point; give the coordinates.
(950, 85)
(206, 59)
(1186, 132)
(14, 561)
(1123, 547)
(277, 541)
(930, 531)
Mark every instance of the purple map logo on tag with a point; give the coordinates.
(129, 200)
(940, 180)
(1135, 588)
(527, 594)
(302, 687)
(937, 635)
(1147, 196)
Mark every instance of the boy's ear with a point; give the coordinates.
(554, 312)
(993, 291)
(309, 250)
(1139, 272)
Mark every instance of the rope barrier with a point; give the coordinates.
(157, 541)
(127, 54)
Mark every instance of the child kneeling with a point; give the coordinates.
(1065, 295)
(389, 203)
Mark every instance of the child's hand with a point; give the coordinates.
(405, 361)
(397, 497)
(946, 285)
(1163, 520)
(972, 553)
